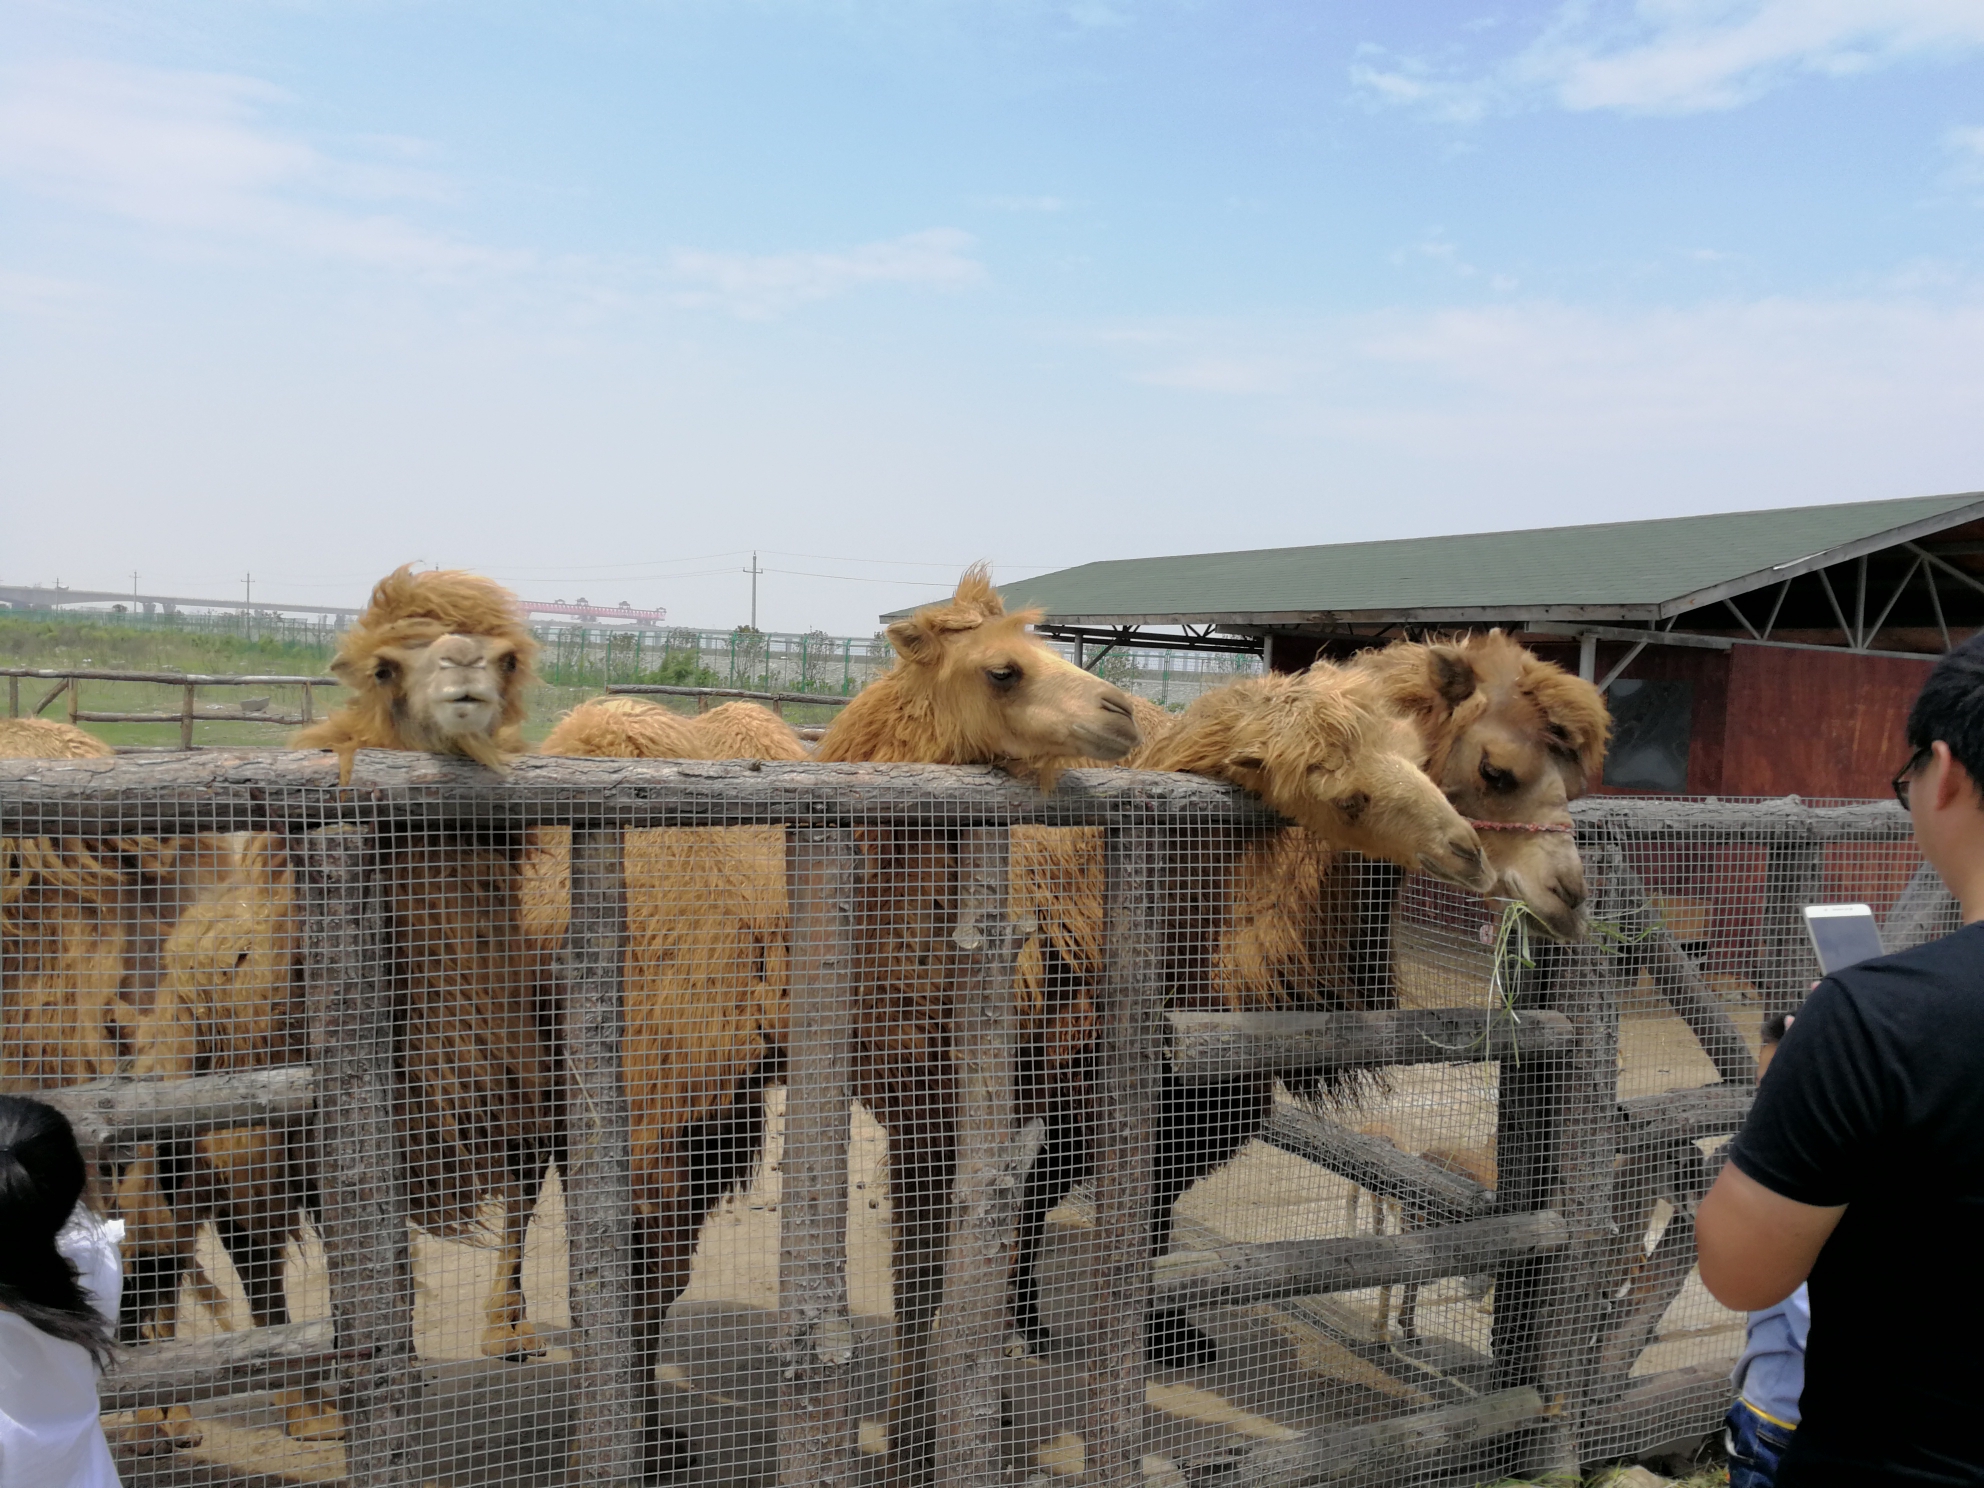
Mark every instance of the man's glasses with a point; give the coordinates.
(1906, 778)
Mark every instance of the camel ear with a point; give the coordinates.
(1246, 759)
(1451, 674)
(912, 642)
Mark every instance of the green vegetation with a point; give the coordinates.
(574, 669)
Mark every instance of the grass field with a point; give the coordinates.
(54, 642)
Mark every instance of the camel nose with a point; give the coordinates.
(1571, 891)
(1114, 702)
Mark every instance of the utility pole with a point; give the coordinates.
(134, 585)
(754, 571)
(248, 589)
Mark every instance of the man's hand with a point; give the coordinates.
(1755, 1246)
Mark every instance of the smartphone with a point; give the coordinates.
(1842, 934)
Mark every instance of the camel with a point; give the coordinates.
(437, 662)
(1507, 738)
(970, 686)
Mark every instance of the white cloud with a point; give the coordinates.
(191, 154)
(760, 286)
(1679, 56)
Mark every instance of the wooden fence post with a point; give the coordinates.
(610, 1400)
(1574, 1309)
(1127, 1080)
(1794, 871)
(186, 717)
(362, 1169)
(970, 1353)
(816, 1424)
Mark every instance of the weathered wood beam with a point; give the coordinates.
(1237, 1275)
(215, 790)
(816, 1424)
(1127, 1081)
(1687, 1115)
(610, 1399)
(969, 1365)
(1743, 821)
(1209, 1047)
(1382, 1453)
(1658, 1408)
(106, 1112)
(182, 1370)
(1377, 1166)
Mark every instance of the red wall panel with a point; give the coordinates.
(1816, 723)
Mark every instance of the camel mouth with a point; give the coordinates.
(1111, 737)
(1462, 864)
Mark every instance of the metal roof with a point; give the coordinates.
(1642, 571)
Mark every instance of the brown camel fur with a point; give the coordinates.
(622, 728)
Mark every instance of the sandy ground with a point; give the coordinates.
(1297, 1367)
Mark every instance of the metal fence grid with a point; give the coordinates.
(727, 1124)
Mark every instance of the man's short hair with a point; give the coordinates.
(1774, 1026)
(1950, 707)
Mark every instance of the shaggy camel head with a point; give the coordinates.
(438, 662)
(1321, 750)
(44, 738)
(1512, 740)
(971, 685)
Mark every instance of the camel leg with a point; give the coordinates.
(922, 1162)
(506, 1333)
(1066, 1158)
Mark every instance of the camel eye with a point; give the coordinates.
(1497, 779)
(509, 663)
(383, 672)
(1002, 676)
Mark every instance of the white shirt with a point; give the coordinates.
(50, 1434)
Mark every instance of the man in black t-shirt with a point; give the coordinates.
(1862, 1163)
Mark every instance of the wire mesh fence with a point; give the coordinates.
(720, 1123)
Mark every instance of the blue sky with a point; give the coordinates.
(598, 298)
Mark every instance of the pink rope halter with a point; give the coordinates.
(1492, 826)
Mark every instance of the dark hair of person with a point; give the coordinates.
(41, 1178)
(1950, 707)
(1774, 1027)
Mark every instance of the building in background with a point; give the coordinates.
(1743, 653)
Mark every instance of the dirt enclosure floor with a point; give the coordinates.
(1311, 1364)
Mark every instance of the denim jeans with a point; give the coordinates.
(1755, 1444)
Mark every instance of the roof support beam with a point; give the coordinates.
(1770, 624)
(1888, 608)
(1731, 606)
(1838, 614)
(1624, 662)
(1947, 567)
(1936, 603)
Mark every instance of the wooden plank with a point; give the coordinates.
(1687, 1115)
(1678, 980)
(1375, 1165)
(610, 1399)
(1213, 1047)
(969, 1365)
(1127, 1078)
(1786, 820)
(180, 1371)
(197, 679)
(1236, 1275)
(122, 1110)
(361, 1168)
(659, 689)
(212, 715)
(187, 705)
(220, 789)
(231, 790)
(1384, 1452)
(816, 1422)
(1659, 1408)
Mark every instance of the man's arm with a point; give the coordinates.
(1755, 1245)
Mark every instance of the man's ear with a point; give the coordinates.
(1952, 781)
